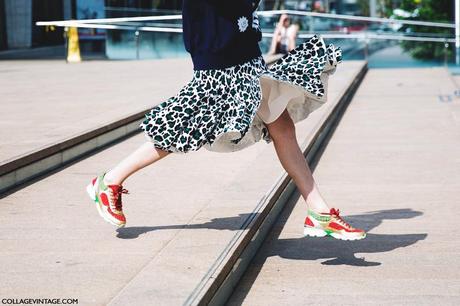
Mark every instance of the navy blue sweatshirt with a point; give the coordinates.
(220, 33)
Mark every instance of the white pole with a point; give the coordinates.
(326, 6)
(457, 32)
(373, 8)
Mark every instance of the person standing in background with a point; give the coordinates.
(280, 41)
(284, 37)
(292, 33)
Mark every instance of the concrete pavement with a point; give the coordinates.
(44, 131)
(392, 167)
(182, 213)
(48, 101)
(45, 102)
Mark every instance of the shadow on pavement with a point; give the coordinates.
(228, 223)
(337, 252)
(331, 250)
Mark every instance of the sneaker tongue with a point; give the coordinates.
(116, 192)
(334, 211)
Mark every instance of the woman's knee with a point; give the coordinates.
(283, 126)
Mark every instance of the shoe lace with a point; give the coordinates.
(116, 196)
(336, 213)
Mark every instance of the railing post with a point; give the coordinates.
(66, 45)
(137, 37)
(366, 47)
(457, 32)
(446, 50)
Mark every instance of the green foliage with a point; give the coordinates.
(386, 8)
(434, 11)
(364, 7)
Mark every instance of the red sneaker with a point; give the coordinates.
(108, 200)
(330, 224)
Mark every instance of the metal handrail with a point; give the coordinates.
(262, 13)
(69, 23)
(359, 18)
(264, 34)
(104, 23)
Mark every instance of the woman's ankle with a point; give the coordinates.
(319, 208)
(109, 179)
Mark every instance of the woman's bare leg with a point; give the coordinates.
(282, 131)
(145, 155)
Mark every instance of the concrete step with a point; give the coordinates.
(392, 167)
(235, 260)
(82, 113)
(188, 222)
(55, 113)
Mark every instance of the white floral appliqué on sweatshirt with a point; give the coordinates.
(243, 23)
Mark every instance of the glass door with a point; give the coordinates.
(3, 43)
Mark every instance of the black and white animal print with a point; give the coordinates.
(222, 102)
(304, 65)
(214, 102)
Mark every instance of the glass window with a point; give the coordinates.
(42, 11)
(3, 43)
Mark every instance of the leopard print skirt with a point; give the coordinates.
(226, 110)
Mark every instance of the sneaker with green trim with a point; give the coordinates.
(108, 200)
(330, 224)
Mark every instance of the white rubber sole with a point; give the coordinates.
(92, 194)
(90, 191)
(344, 237)
(315, 232)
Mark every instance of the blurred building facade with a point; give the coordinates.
(141, 7)
(351, 7)
(18, 17)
